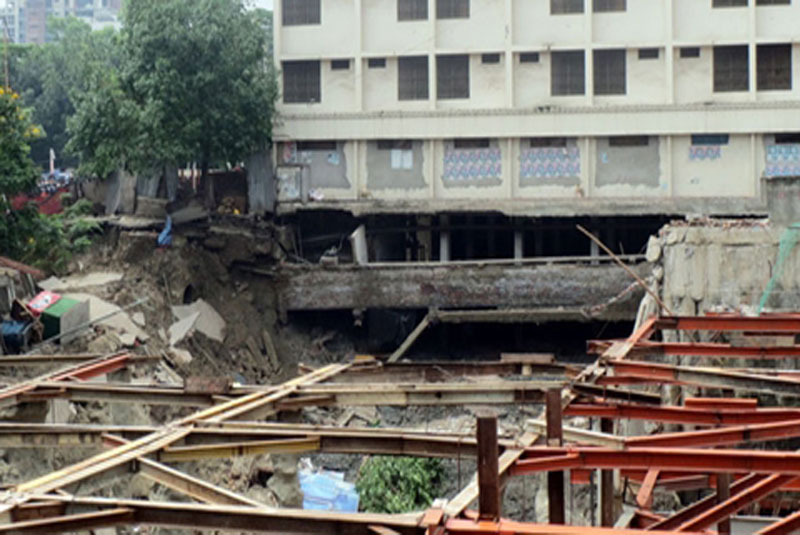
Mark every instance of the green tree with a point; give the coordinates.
(398, 484)
(52, 76)
(17, 172)
(195, 84)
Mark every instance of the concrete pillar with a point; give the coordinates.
(444, 238)
(519, 245)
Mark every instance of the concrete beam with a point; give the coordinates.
(565, 287)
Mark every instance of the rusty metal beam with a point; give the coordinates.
(683, 459)
(668, 374)
(718, 437)
(683, 414)
(488, 473)
(70, 523)
(783, 323)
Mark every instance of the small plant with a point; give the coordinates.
(398, 484)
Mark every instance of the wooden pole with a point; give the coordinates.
(555, 479)
(632, 273)
(488, 469)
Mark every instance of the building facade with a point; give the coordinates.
(536, 107)
(30, 16)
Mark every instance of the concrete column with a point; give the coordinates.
(444, 238)
(669, 50)
(519, 245)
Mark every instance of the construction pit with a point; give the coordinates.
(196, 397)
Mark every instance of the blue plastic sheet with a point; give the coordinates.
(328, 491)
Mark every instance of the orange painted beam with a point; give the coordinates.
(682, 414)
(506, 527)
(644, 498)
(786, 526)
(778, 323)
(683, 459)
(719, 437)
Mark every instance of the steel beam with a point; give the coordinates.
(683, 459)
(683, 414)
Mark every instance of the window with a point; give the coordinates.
(529, 57)
(710, 139)
(299, 12)
(690, 52)
(317, 146)
(547, 142)
(609, 72)
(729, 3)
(301, 82)
(561, 7)
(628, 141)
(412, 10)
(340, 64)
(773, 2)
(476, 143)
(452, 76)
(648, 53)
(567, 73)
(774, 67)
(787, 139)
(394, 144)
(376, 63)
(490, 58)
(601, 6)
(412, 78)
(452, 9)
(731, 70)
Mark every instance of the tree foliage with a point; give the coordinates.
(194, 84)
(17, 172)
(398, 484)
(51, 76)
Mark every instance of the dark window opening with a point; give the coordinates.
(412, 10)
(318, 146)
(568, 73)
(774, 67)
(474, 143)
(412, 78)
(547, 142)
(529, 57)
(731, 68)
(773, 2)
(300, 12)
(787, 139)
(394, 144)
(710, 139)
(562, 7)
(340, 64)
(490, 58)
(690, 52)
(301, 82)
(376, 63)
(601, 6)
(648, 53)
(609, 72)
(729, 3)
(628, 141)
(452, 76)
(452, 9)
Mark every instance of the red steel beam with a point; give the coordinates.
(788, 323)
(702, 506)
(683, 459)
(719, 437)
(721, 403)
(506, 527)
(736, 503)
(683, 414)
(684, 349)
(676, 480)
(644, 498)
(786, 526)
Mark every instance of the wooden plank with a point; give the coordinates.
(409, 341)
(70, 523)
(528, 358)
(488, 474)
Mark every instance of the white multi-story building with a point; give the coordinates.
(536, 107)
